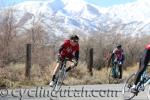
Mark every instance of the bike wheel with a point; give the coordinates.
(112, 79)
(126, 92)
(59, 80)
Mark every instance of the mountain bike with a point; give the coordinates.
(114, 73)
(60, 76)
(127, 89)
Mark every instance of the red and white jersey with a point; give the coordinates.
(147, 47)
(68, 49)
(118, 53)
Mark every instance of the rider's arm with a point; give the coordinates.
(110, 59)
(61, 48)
(123, 56)
(76, 58)
(76, 55)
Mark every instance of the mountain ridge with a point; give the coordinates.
(88, 17)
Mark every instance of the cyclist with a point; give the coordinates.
(69, 49)
(142, 66)
(117, 56)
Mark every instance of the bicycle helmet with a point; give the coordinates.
(119, 46)
(74, 37)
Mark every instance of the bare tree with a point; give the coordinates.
(8, 33)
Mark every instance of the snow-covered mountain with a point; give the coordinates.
(136, 11)
(131, 17)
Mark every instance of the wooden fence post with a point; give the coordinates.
(28, 61)
(90, 61)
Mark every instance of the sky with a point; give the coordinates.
(102, 3)
(108, 3)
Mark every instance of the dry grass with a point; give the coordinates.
(13, 76)
(80, 76)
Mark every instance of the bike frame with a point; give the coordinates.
(140, 86)
(145, 75)
(60, 75)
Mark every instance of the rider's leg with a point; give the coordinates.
(120, 70)
(114, 73)
(55, 70)
(143, 65)
(54, 73)
(59, 62)
(70, 67)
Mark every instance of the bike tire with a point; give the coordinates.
(111, 79)
(55, 81)
(114, 80)
(59, 80)
(126, 92)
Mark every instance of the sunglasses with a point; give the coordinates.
(75, 41)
